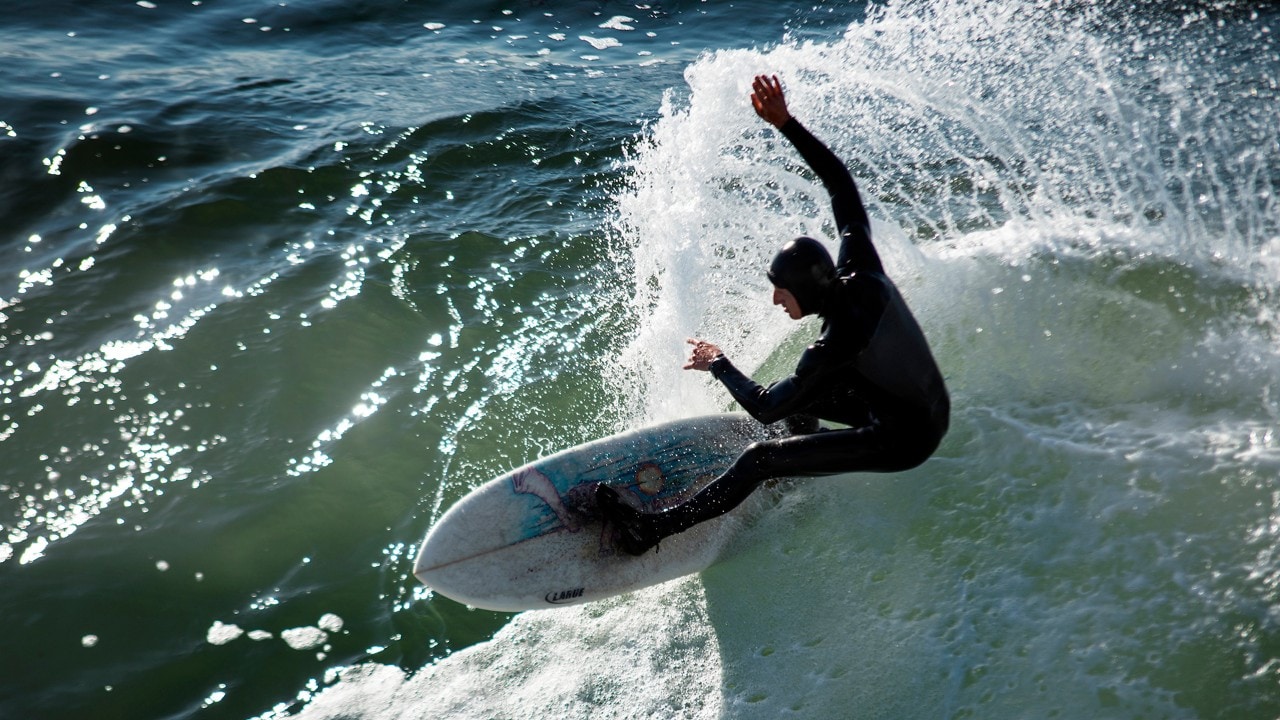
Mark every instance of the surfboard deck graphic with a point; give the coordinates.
(532, 538)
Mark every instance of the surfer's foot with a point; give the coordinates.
(636, 533)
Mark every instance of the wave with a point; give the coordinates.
(1080, 207)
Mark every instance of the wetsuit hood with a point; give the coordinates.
(804, 268)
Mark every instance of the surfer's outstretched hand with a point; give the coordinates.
(702, 355)
(768, 100)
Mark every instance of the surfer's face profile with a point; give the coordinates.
(784, 297)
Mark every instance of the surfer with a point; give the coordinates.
(870, 368)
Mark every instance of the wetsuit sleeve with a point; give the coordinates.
(780, 400)
(856, 251)
(824, 366)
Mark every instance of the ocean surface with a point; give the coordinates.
(281, 281)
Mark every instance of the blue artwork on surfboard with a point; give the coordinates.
(659, 472)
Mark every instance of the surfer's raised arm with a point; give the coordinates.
(856, 251)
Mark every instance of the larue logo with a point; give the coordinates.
(556, 597)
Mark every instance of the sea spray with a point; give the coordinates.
(1087, 231)
(1022, 137)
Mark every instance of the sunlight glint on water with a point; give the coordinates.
(1087, 235)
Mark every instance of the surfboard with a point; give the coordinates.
(532, 538)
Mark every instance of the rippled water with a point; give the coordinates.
(282, 282)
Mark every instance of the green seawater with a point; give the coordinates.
(281, 282)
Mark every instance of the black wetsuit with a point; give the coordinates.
(870, 369)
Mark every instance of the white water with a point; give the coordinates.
(1085, 224)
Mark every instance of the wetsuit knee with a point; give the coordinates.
(911, 447)
(757, 463)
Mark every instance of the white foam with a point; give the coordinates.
(618, 22)
(1103, 500)
(330, 623)
(603, 43)
(605, 656)
(304, 638)
(221, 633)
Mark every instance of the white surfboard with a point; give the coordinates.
(531, 539)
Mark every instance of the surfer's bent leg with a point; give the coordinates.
(828, 452)
(823, 453)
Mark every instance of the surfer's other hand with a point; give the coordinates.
(702, 355)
